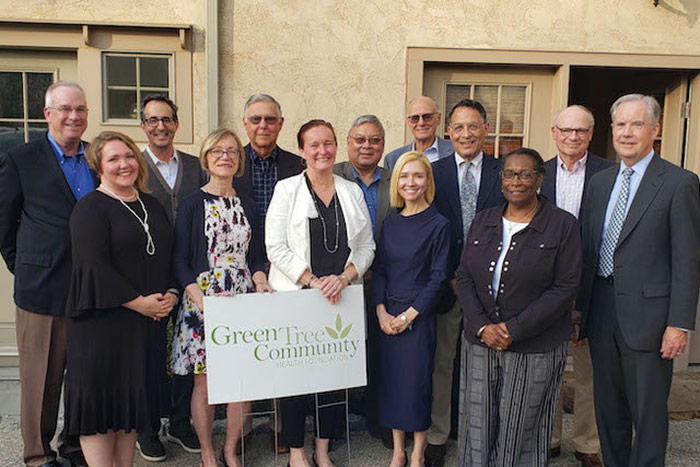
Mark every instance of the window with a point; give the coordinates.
(127, 78)
(22, 106)
(506, 112)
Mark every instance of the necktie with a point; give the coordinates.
(467, 196)
(612, 233)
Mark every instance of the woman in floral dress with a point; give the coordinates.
(218, 251)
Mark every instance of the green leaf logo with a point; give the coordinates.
(331, 332)
(339, 332)
(338, 323)
(346, 331)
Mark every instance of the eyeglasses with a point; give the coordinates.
(374, 140)
(269, 119)
(218, 153)
(472, 127)
(523, 175)
(427, 118)
(152, 122)
(566, 132)
(81, 110)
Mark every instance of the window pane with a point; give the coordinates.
(37, 130)
(37, 83)
(11, 135)
(489, 145)
(154, 71)
(487, 95)
(512, 109)
(122, 104)
(454, 94)
(121, 71)
(509, 143)
(11, 105)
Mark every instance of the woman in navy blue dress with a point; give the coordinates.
(409, 273)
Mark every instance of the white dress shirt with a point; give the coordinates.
(475, 169)
(570, 185)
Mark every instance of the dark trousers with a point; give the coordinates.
(373, 330)
(294, 410)
(630, 389)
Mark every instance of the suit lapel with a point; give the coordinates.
(449, 177)
(550, 181)
(648, 187)
(599, 205)
(489, 176)
(52, 162)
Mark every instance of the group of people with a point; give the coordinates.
(487, 266)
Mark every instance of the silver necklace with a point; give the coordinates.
(150, 246)
(510, 225)
(334, 200)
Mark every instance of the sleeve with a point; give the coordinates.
(438, 258)
(183, 254)
(95, 282)
(10, 209)
(473, 309)
(685, 253)
(379, 269)
(560, 295)
(256, 254)
(279, 251)
(362, 254)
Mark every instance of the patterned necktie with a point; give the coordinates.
(467, 195)
(612, 233)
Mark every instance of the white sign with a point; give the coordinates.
(262, 346)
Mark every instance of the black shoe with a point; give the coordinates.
(387, 438)
(435, 455)
(150, 448)
(74, 458)
(186, 439)
(555, 452)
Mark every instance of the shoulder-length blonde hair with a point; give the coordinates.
(396, 199)
(94, 156)
(212, 140)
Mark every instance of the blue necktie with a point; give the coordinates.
(612, 233)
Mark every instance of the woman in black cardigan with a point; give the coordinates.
(218, 251)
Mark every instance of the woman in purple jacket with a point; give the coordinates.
(517, 280)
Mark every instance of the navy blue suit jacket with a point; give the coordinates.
(448, 204)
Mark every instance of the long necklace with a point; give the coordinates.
(334, 200)
(511, 224)
(150, 246)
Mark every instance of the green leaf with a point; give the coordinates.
(338, 322)
(331, 332)
(346, 331)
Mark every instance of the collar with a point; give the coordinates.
(58, 150)
(157, 161)
(640, 167)
(431, 148)
(579, 163)
(477, 161)
(254, 156)
(355, 174)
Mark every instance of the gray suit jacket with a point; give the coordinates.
(344, 169)
(657, 258)
(445, 149)
(190, 176)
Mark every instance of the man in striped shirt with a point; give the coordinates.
(564, 184)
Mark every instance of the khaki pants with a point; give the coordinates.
(41, 341)
(447, 333)
(585, 437)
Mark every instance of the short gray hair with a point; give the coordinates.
(575, 106)
(653, 107)
(61, 84)
(261, 98)
(362, 119)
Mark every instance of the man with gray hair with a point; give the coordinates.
(41, 182)
(565, 183)
(639, 289)
(365, 143)
(423, 119)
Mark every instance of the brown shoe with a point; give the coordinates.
(588, 460)
(435, 455)
(279, 448)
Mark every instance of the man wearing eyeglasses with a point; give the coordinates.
(365, 143)
(465, 183)
(423, 120)
(172, 175)
(41, 182)
(564, 184)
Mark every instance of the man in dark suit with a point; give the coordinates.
(565, 183)
(423, 120)
(41, 182)
(365, 143)
(265, 164)
(172, 175)
(639, 290)
(465, 183)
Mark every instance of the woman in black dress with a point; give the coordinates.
(318, 235)
(121, 242)
(409, 273)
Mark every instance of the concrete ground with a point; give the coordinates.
(683, 449)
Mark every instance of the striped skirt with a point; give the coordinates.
(507, 406)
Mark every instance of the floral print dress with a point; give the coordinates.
(228, 235)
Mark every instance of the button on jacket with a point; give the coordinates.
(539, 280)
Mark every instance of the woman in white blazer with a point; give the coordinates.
(318, 235)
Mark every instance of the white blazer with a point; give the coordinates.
(287, 230)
